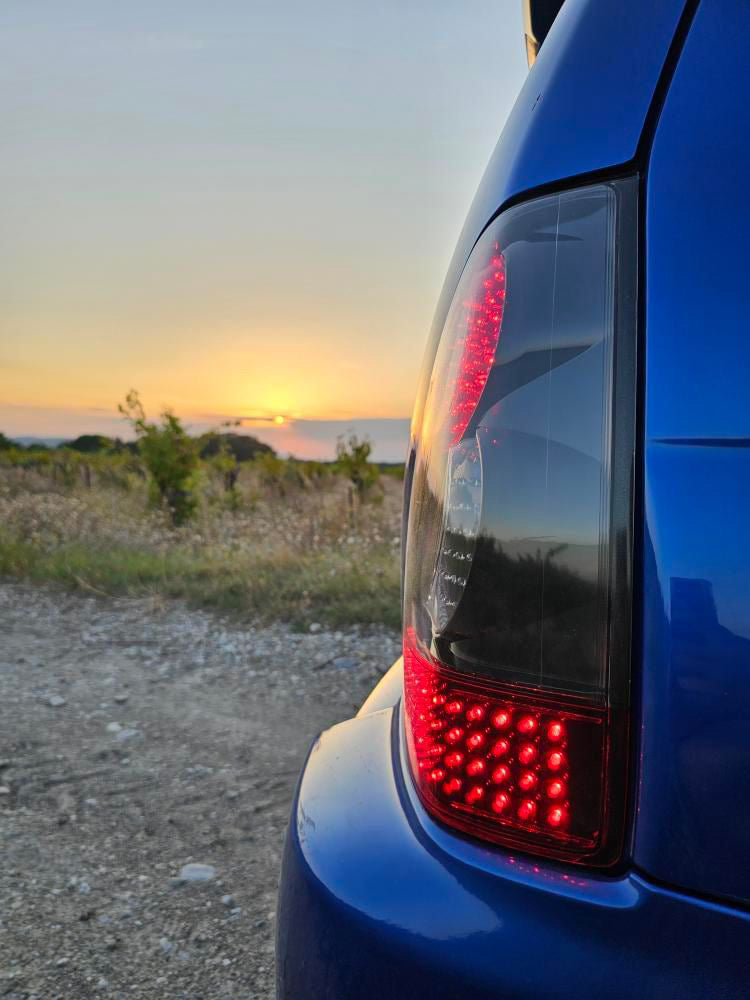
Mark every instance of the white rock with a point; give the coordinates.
(56, 701)
(126, 734)
(197, 872)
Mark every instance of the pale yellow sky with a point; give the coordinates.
(236, 208)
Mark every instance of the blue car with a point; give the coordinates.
(549, 795)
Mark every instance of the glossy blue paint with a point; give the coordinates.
(376, 901)
(582, 107)
(693, 823)
(697, 227)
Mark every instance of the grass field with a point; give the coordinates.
(297, 548)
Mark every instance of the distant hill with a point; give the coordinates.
(244, 447)
(307, 439)
(30, 442)
(90, 444)
(94, 444)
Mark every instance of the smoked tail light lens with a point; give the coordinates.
(517, 588)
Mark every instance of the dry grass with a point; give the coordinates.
(300, 553)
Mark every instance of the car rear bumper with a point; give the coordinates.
(378, 901)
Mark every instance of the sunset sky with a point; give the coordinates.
(242, 208)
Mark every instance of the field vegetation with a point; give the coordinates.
(219, 520)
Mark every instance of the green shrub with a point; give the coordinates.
(170, 456)
(272, 473)
(352, 461)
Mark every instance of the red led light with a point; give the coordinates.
(527, 724)
(453, 786)
(475, 794)
(555, 790)
(527, 810)
(475, 351)
(501, 802)
(555, 732)
(501, 719)
(475, 713)
(489, 783)
(475, 767)
(556, 816)
(475, 741)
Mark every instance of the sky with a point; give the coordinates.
(243, 209)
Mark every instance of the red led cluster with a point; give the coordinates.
(500, 760)
(482, 319)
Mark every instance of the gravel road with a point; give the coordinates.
(148, 755)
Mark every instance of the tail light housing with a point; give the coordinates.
(518, 580)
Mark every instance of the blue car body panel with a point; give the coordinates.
(377, 901)
(581, 109)
(693, 824)
(387, 691)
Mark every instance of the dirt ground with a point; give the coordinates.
(139, 737)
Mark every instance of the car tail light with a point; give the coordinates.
(517, 585)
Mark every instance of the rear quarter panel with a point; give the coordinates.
(693, 820)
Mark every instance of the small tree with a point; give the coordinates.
(352, 459)
(5, 443)
(271, 472)
(170, 456)
(222, 460)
